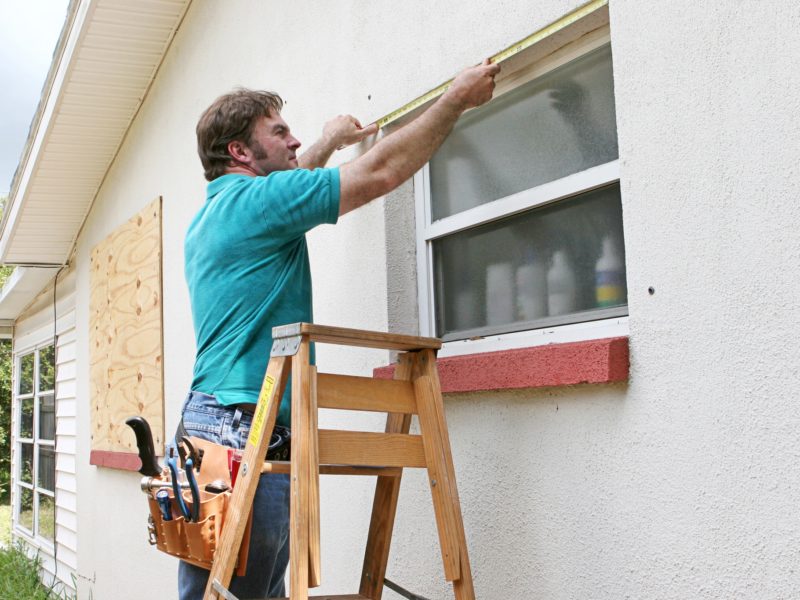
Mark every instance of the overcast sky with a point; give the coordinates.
(29, 30)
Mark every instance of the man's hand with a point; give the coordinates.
(473, 86)
(345, 130)
(339, 132)
(401, 154)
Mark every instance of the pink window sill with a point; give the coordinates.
(594, 361)
(126, 461)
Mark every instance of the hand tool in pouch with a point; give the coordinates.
(176, 488)
(144, 441)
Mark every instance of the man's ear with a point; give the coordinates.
(239, 151)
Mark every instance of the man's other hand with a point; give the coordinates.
(474, 85)
(345, 130)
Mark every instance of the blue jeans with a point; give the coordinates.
(205, 418)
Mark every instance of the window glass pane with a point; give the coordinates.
(562, 263)
(556, 125)
(47, 417)
(25, 507)
(47, 517)
(26, 418)
(47, 468)
(26, 462)
(26, 374)
(47, 368)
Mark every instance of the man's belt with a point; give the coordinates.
(280, 444)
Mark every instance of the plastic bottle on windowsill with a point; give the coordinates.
(609, 275)
(561, 286)
(499, 294)
(531, 288)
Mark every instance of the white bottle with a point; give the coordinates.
(467, 311)
(499, 294)
(561, 286)
(531, 288)
(609, 275)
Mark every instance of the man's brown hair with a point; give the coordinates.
(231, 117)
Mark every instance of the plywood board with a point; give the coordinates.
(125, 339)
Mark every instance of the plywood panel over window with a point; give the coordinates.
(126, 344)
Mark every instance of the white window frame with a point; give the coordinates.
(32, 536)
(429, 231)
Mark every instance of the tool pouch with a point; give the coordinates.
(196, 542)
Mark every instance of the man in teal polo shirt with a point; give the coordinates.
(247, 269)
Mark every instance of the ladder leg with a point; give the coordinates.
(249, 474)
(438, 477)
(299, 506)
(314, 562)
(384, 506)
(457, 540)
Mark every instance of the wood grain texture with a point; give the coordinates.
(370, 449)
(343, 336)
(314, 561)
(246, 483)
(125, 333)
(342, 597)
(346, 392)
(462, 586)
(384, 504)
(438, 477)
(299, 499)
(286, 468)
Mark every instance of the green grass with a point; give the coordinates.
(19, 574)
(5, 525)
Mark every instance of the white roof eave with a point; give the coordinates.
(117, 46)
(21, 288)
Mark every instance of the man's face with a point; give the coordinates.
(273, 146)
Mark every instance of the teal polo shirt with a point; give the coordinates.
(247, 271)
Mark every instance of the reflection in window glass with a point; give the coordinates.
(561, 263)
(556, 125)
(47, 517)
(26, 418)
(47, 417)
(26, 374)
(25, 508)
(47, 468)
(47, 368)
(26, 462)
(35, 434)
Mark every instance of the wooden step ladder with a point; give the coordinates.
(415, 390)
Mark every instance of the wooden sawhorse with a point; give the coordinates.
(415, 390)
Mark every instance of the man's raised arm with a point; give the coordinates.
(398, 156)
(339, 132)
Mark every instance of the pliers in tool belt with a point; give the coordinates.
(176, 488)
(186, 450)
(194, 489)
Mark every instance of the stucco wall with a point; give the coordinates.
(682, 484)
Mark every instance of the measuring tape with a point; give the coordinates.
(512, 50)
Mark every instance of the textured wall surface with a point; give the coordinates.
(682, 483)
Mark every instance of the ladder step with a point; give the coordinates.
(342, 336)
(348, 392)
(344, 597)
(286, 467)
(370, 449)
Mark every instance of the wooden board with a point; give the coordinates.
(371, 449)
(327, 334)
(125, 333)
(347, 392)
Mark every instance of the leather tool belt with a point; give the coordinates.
(191, 539)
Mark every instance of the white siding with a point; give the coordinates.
(66, 517)
(59, 563)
